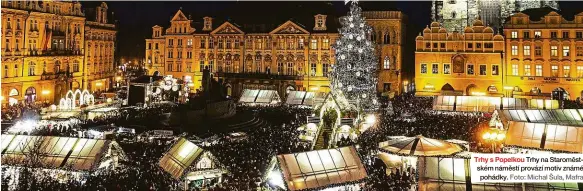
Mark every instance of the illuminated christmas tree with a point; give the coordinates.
(355, 73)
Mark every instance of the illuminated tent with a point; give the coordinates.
(187, 160)
(453, 173)
(489, 104)
(419, 146)
(251, 96)
(317, 169)
(545, 136)
(569, 117)
(70, 153)
(306, 98)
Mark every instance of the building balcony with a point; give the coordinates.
(258, 76)
(61, 53)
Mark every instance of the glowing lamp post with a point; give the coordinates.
(494, 136)
(45, 93)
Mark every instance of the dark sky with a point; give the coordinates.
(135, 19)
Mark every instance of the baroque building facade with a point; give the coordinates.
(452, 63)
(100, 41)
(290, 56)
(42, 50)
(544, 56)
(457, 14)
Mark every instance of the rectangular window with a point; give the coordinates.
(149, 45)
(424, 68)
(179, 54)
(179, 42)
(259, 44)
(526, 34)
(201, 65)
(228, 42)
(211, 43)
(237, 43)
(489, 45)
(427, 45)
(494, 70)
(325, 43)
(538, 51)
(169, 54)
(442, 45)
(555, 71)
(526, 50)
(31, 69)
(301, 43)
(470, 70)
(170, 42)
(579, 35)
(566, 71)
(554, 51)
(537, 34)
(313, 68)
(515, 69)
(566, 51)
(435, 45)
(446, 69)
(189, 54)
(527, 70)
(211, 65)
(435, 68)
(169, 67)
(514, 34)
(290, 44)
(478, 45)
(325, 69)
(483, 69)
(580, 71)
(554, 34)
(470, 45)
(202, 43)
(220, 45)
(579, 50)
(514, 50)
(314, 44)
(539, 70)
(189, 42)
(565, 34)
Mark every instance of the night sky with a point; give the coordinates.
(135, 19)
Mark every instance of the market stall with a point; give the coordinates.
(569, 117)
(253, 96)
(545, 136)
(312, 170)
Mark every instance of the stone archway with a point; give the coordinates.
(560, 94)
(471, 89)
(447, 87)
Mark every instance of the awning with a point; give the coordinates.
(321, 168)
(305, 98)
(545, 136)
(569, 117)
(259, 96)
(185, 157)
(419, 146)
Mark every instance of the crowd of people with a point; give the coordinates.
(22, 110)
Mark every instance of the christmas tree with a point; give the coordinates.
(355, 73)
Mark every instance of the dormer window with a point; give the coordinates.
(208, 24)
(320, 22)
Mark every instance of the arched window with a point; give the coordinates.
(373, 36)
(386, 38)
(57, 66)
(386, 63)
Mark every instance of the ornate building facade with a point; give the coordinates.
(457, 14)
(100, 38)
(452, 63)
(544, 56)
(42, 49)
(388, 33)
(290, 56)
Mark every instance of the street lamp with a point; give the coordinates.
(494, 136)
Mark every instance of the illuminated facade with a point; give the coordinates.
(99, 50)
(43, 50)
(544, 56)
(451, 63)
(284, 57)
(288, 57)
(457, 14)
(388, 33)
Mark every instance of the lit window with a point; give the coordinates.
(325, 43)
(435, 68)
(424, 68)
(526, 50)
(565, 50)
(515, 69)
(446, 69)
(566, 71)
(386, 63)
(301, 43)
(189, 42)
(470, 70)
(514, 34)
(539, 70)
(554, 51)
(555, 71)
(514, 50)
(537, 34)
(527, 70)
(580, 71)
(314, 44)
(494, 70)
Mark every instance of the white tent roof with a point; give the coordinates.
(545, 136)
(320, 168)
(489, 104)
(181, 157)
(305, 98)
(57, 152)
(420, 146)
(259, 96)
(571, 117)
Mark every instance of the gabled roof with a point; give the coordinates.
(227, 28)
(179, 159)
(289, 27)
(179, 16)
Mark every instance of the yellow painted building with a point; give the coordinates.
(389, 34)
(100, 37)
(544, 56)
(42, 50)
(452, 63)
(283, 57)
